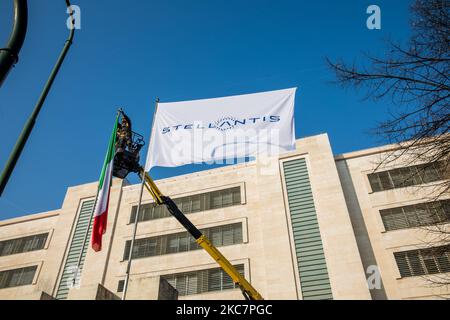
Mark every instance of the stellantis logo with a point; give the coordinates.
(223, 124)
(226, 123)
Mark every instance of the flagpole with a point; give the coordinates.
(89, 226)
(136, 217)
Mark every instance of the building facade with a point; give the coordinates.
(306, 225)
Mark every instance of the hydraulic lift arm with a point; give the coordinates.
(248, 291)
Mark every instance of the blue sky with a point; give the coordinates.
(127, 53)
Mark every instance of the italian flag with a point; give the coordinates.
(104, 185)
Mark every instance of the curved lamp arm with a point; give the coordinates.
(9, 55)
(26, 131)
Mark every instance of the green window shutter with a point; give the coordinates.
(224, 235)
(207, 280)
(407, 176)
(190, 204)
(312, 267)
(77, 247)
(23, 244)
(17, 277)
(416, 215)
(424, 261)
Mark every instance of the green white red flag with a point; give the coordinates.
(104, 186)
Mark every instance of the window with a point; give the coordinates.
(188, 283)
(17, 277)
(214, 280)
(181, 242)
(25, 244)
(417, 215)
(422, 262)
(408, 176)
(120, 285)
(191, 204)
(196, 203)
(216, 200)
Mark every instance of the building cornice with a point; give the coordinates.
(30, 217)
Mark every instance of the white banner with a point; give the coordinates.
(212, 130)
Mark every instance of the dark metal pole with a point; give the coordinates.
(10, 54)
(136, 218)
(26, 131)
